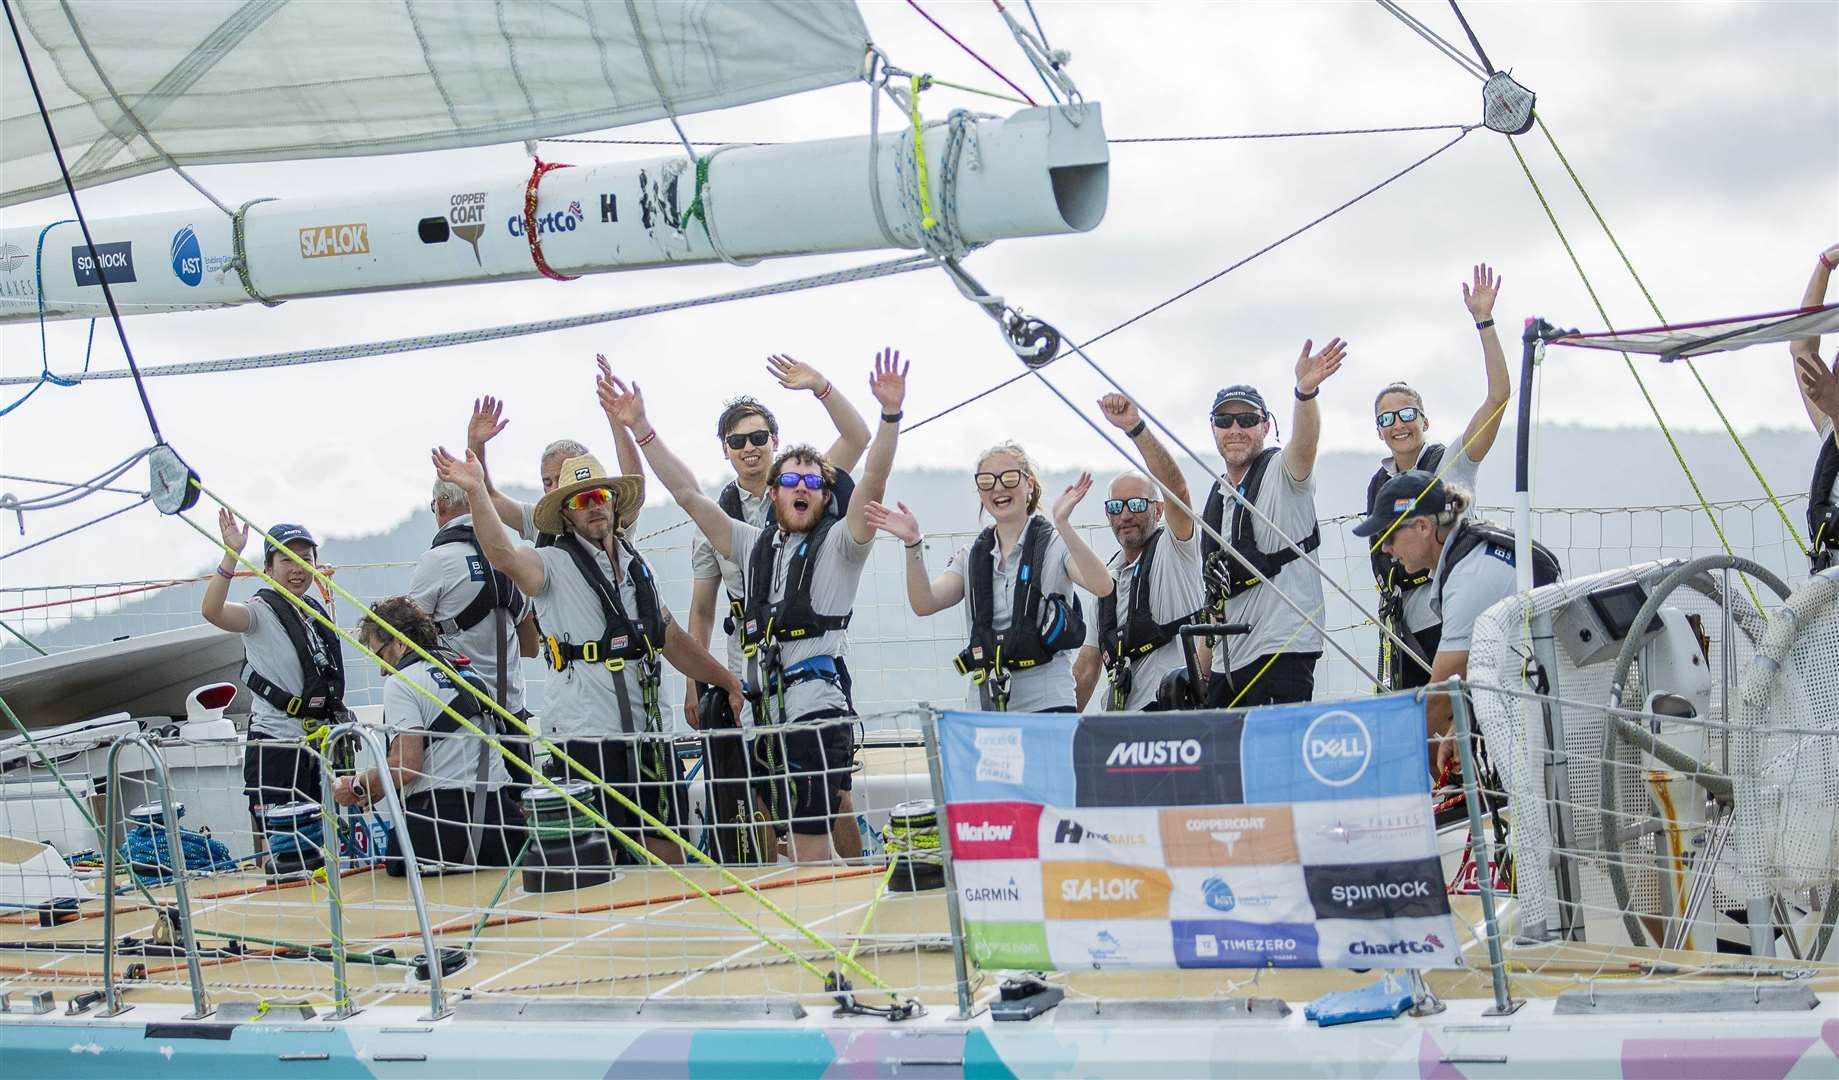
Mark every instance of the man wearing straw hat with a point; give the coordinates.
(606, 631)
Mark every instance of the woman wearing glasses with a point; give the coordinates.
(1023, 620)
(1405, 604)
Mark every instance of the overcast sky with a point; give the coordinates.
(1707, 133)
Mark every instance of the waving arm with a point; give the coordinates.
(1485, 426)
(888, 384)
(625, 407)
(1082, 563)
(851, 430)
(520, 563)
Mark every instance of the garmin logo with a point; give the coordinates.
(1431, 943)
(1157, 754)
(1337, 748)
(1351, 895)
(1099, 889)
(984, 894)
(983, 834)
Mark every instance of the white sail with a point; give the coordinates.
(136, 85)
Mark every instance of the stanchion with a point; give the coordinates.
(960, 970)
(1483, 846)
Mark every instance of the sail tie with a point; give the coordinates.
(239, 253)
(537, 171)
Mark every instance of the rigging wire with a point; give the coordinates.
(1436, 42)
(1473, 41)
(1010, 83)
(75, 528)
(67, 484)
(1231, 137)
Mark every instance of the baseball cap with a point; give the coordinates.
(1415, 493)
(285, 534)
(1240, 392)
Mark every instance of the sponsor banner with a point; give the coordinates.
(1007, 756)
(993, 830)
(1230, 943)
(999, 889)
(1398, 890)
(1349, 750)
(1105, 946)
(1394, 943)
(1371, 830)
(1103, 890)
(117, 261)
(1247, 835)
(327, 241)
(1179, 759)
(999, 945)
(1126, 835)
(1257, 894)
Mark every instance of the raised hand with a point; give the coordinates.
(795, 374)
(1070, 498)
(889, 381)
(487, 421)
(1314, 368)
(235, 534)
(606, 369)
(900, 524)
(1479, 295)
(1819, 384)
(624, 405)
(1120, 411)
(467, 472)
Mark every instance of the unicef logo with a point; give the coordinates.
(187, 257)
(1218, 895)
(1337, 748)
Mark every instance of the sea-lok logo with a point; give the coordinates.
(986, 894)
(967, 833)
(325, 241)
(117, 261)
(1071, 832)
(1102, 890)
(1337, 748)
(999, 755)
(1430, 943)
(12, 257)
(1218, 894)
(553, 222)
(1109, 890)
(1157, 755)
(1228, 836)
(466, 217)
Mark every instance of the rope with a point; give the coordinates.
(991, 68)
(239, 253)
(67, 484)
(1793, 530)
(933, 80)
(927, 221)
(537, 172)
(74, 528)
(1473, 41)
(44, 355)
(867, 272)
(1436, 42)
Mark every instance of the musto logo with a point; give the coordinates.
(1158, 755)
(1429, 944)
(1337, 748)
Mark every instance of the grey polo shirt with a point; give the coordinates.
(1826, 436)
(1175, 590)
(705, 563)
(833, 592)
(1462, 470)
(269, 652)
(1483, 578)
(1275, 624)
(450, 759)
(1049, 685)
(582, 700)
(447, 579)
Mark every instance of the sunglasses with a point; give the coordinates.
(813, 481)
(758, 438)
(589, 499)
(1009, 478)
(1404, 416)
(1138, 505)
(1225, 420)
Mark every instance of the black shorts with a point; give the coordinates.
(277, 772)
(644, 771)
(441, 825)
(803, 772)
(1289, 679)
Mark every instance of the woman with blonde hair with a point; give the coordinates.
(1023, 620)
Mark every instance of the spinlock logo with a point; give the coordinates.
(553, 222)
(1218, 894)
(1337, 748)
(1071, 832)
(985, 894)
(1354, 895)
(466, 217)
(1431, 944)
(324, 241)
(1102, 890)
(117, 262)
(968, 833)
(1156, 755)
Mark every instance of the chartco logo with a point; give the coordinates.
(556, 221)
(1337, 748)
(1428, 944)
(324, 241)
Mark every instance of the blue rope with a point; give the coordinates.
(44, 358)
(146, 851)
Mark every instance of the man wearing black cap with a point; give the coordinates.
(1275, 661)
(1422, 522)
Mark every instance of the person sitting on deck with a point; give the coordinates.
(800, 579)
(453, 784)
(1819, 386)
(1023, 619)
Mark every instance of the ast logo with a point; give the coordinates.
(1178, 760)
(999, 755)
(1337, 748)
(1218, 895)
(324, 241)
(993, 830)
(1412, 889)
(117, 263)
(1228, 836)
(466, 216)
(1101, 890)
(189, 263)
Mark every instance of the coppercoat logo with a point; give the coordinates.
(466, 218)
(1228, 836)
(326, 241)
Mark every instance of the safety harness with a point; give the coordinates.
(624, 639)
(1393, 579)
(498, 598)
(467, 705)
(766, 624)
(1228, 577)
(729, 499)
(1470, 535)
(322, 669)
(1123, 646)
(1823, 509)
(1040, 624)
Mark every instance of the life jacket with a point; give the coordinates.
(766, 622)
(624, 637)
(1040, 625)
(1470, 535)
(1394, 580)
(1822, 509)
(462, 702)
(1228, 577)
(1122, 645)
(498, 592)
(322, 695)
(729, 499)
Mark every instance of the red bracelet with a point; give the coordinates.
(649, 436)
(825, 392)
(1829, 266)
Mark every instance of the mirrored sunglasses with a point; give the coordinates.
(813, 481)
(1405, 416)
(1242, 419)
(589, 499)
(1138, 505)
(741, 439)
(1009, 478)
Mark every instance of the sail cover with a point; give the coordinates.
(1715, 335)
(133, 85)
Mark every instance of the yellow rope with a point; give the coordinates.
(927, 221)
(1793, 530)
(554, 750)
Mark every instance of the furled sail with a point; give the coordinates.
(1712, 335)
(136, 85)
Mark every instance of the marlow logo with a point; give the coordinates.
(321, 241)
(1159, 755)
(968, 833)
(1337, 748)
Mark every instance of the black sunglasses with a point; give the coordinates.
(758, 438)
(1242, 419)
(1009, 478)
(1404, 415)
(1138, 505)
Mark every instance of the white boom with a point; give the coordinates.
(1040, 172)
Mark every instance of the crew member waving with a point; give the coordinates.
(1819, 386)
